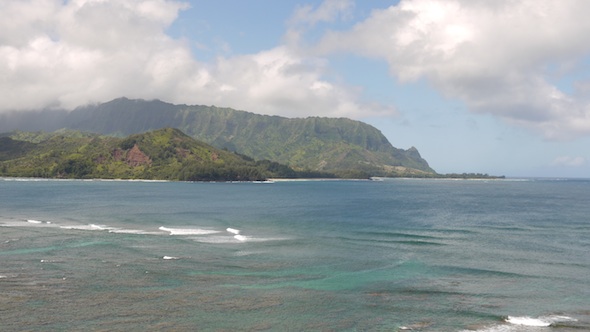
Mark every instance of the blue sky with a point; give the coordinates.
(498, 87)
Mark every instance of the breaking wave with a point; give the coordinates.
(204, 235)
(187, 231)
(526, 323)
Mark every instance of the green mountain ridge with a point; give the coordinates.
(164, 154)
(342, 146)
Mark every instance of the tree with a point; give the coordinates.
(74, 168)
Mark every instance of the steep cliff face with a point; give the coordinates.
(317, 144)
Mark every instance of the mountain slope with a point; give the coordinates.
(165, 154)
(343, 146)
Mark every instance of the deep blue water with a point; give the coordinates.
(422, 255)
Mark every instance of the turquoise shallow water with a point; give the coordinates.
(393, 255)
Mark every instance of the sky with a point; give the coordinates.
(499, 87)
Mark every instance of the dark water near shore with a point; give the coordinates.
(422, 255)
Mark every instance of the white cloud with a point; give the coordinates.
(56, 53)
(280, 82)
(306, 17)
(569, 161)
(327, 11)
(493, 55)
(63, 54)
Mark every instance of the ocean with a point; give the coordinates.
(391, 255)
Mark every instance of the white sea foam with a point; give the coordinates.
(241, 238)
(543, 321)
(233, 230)
(234, 239)
(170, 258)
(265, 239)
(525, 323)
(47, 261)
(220, 239)
(27, 223)
(25, 179)
(101, 227)
(77, 227)
(89, 227)
(188, 231)
(204, 235)
(132, 231)
(496, 328)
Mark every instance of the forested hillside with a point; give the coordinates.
(346, 147)
(165, 154)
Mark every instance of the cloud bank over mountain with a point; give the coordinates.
(65, 54)
(520, 61)
(504, 58)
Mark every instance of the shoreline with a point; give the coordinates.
(278, 180)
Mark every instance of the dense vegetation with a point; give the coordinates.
(166, 154)
(341, 146)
